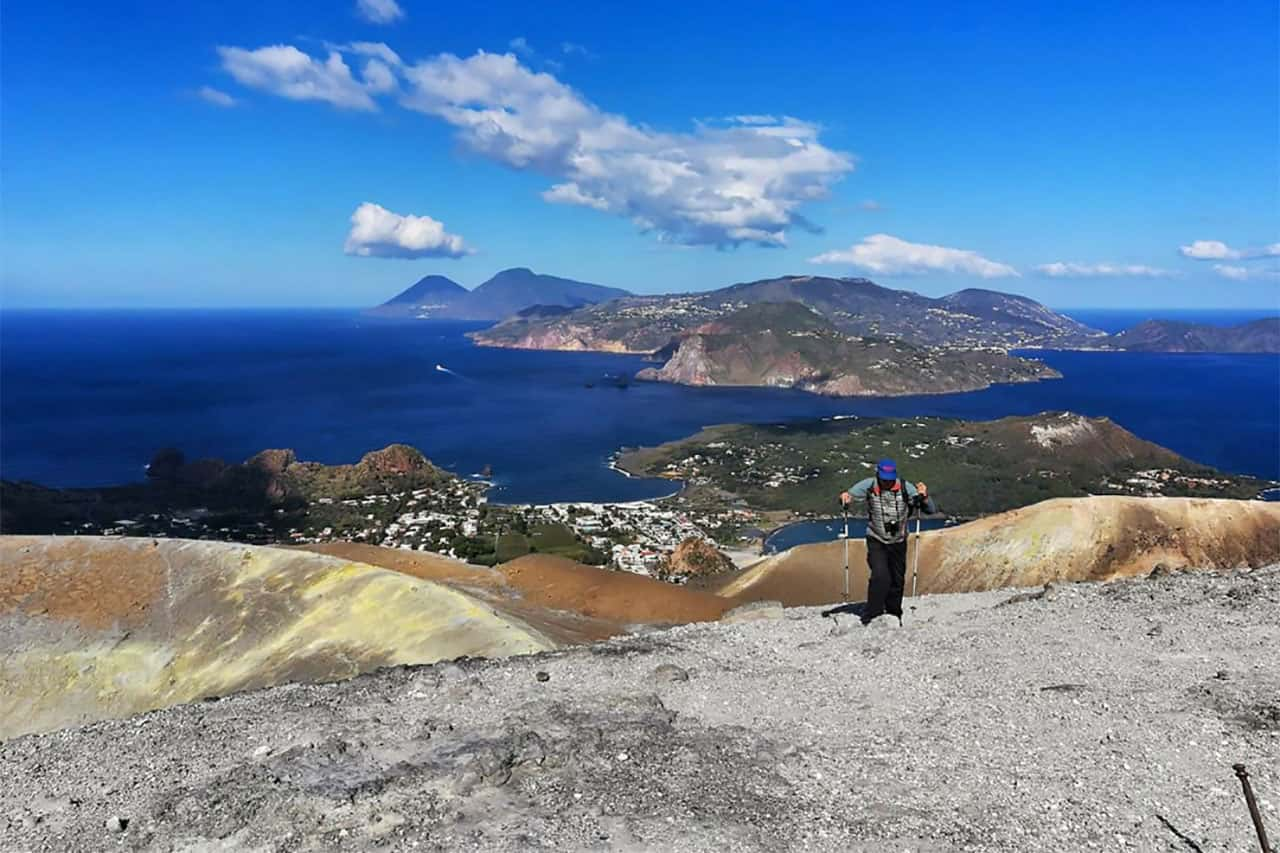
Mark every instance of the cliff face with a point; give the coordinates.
(561, 337)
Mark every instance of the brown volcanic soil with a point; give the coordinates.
(553, 592)
(420, 564)
(1066, 539)
(616, 596)
(81, 582)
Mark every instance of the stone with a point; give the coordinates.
(668, 672)
(754, 611)
(543, 676)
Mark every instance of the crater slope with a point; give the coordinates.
(93, 628)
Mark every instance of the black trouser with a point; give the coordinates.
(888, 565)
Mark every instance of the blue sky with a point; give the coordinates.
(322, 153)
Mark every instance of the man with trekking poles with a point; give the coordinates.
(890, 502)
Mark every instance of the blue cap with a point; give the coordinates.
(887, 469)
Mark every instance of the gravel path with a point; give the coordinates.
(1093, 717)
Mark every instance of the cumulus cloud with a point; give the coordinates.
(1236, 272)
(379, 11)
(1216, 250)
(736, 181)
(379, 233)
(217, 97)
(288, 72)
(378, 77)
(722, 186)
(375, 49)
(888, 255)
(1069, 270)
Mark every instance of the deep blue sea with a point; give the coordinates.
(87, 397)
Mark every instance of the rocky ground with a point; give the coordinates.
(1095, 716)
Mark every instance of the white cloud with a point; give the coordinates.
(570, 48)
(871, 205)
(375, 49)
(715, 186)
(1061, 269)
(379, 233)
(521, 45)
(1216, 250)
(217, 97)
(1239, 273)
(378, 77)
(888, 255)
(1230, 271)
(738, 181)
(288, 72)
(379, 11)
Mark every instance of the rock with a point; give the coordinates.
(1159, 570)
(395, 459)
(695, 557)
(272, 461)
(754, 611)
(117, 824)
(542, 676)
(1051, 591)
(884, 622)
(668, 673)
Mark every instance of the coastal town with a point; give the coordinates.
(455, 519)
(637, 537)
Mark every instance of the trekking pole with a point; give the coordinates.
(1243, 775)
(845, 507)
(915, 559)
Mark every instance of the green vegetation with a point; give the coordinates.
(972, 468)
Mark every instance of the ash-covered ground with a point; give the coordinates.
(1096, 716)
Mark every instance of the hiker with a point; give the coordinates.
(889, 503)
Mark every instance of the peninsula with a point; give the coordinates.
(789, 345)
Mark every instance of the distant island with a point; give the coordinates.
(971, 319)
(974, 467)
(789, 345)
(509, 292)
(1262, 336)
(832, 336)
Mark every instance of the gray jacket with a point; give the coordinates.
(888, 508)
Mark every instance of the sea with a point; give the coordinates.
(87, 397)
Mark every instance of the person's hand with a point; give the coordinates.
(846, 498)
(923, 490)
